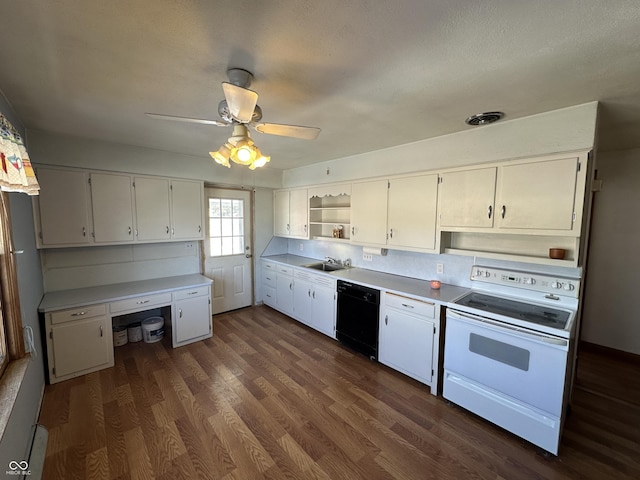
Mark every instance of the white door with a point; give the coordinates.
(227, 248)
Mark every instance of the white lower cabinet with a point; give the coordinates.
(79, 341)
(284, 289)
(314, 301)
(269, 284)
(192, 320)
(408, 338)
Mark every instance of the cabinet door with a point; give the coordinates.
(302, 301)
(81, 345)
(539, 195)
(298, 213)
(369, 212)
(192, 320)
(412, 211)
(112, 202)
(281, 213)
(324, 309)
(467, 198)
(152, 208)
(187, 210)
(284, 293)
(64, 207)
(406, 344)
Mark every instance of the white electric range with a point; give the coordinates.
(509, 350)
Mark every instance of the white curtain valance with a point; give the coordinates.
(16, 172)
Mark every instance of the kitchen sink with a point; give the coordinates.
(325, 267)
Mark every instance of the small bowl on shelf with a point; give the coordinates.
(434, 284)
(557, 253)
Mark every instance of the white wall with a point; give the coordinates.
(53, 149)
(17, 435)
(561, 130)
(611, 317)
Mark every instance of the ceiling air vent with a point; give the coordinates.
(484, 118)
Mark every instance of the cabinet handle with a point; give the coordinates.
(84, 231)
(489, 211)
(391, 233)
(353, 231)
(129, 230)
(199, 228)
(268, 278)
(101, 331)
(142, 302)
(193, 293)
(386, 319)
(179, 313)
(309, 293)
(503, 211)
(406, 305)
(78, 314)
(314, 294)
(291, 286)
(167, 229)
(288, 227)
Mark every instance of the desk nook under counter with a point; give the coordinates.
(78, 323)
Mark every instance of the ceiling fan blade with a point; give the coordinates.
(241, 101)
(175, 118)
(296, 131)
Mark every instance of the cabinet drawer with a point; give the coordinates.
(78, 313)
(269, 296)
(268, 266)
(269, 278)
(283, 269)
(410, 305)
(191, 292)
(140, 303)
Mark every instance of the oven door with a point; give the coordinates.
(524, 365)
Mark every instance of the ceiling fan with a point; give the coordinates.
(240, 110)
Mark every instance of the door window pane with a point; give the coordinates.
(226, 226)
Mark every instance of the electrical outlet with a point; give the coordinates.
(439, 267)
(367, 257)
(188, 245)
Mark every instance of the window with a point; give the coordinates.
(11, 340)
(226, 226)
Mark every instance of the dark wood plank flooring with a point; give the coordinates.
(269, 398)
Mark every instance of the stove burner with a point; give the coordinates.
(537, 314)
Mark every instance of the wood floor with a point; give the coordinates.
(269, 398)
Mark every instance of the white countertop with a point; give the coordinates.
(383, 281)
(79, 297)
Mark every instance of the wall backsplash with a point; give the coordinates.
(456, 268)
(69, 268)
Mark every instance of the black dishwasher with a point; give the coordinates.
(357, 318)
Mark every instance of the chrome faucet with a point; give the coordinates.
(331, 260)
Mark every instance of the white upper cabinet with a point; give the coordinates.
(63, 208)
(291, 212)
(467, 198)
(538, 195)
(80, 207)
(281, 213)
(187, 210)
(412, 212)
(112, 202)
(152, 208)
(369, 212)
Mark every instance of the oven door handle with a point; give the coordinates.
(541, 337)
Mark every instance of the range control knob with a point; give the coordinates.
(556, 285)
(569, 286)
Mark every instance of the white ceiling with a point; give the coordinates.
(369, 73)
